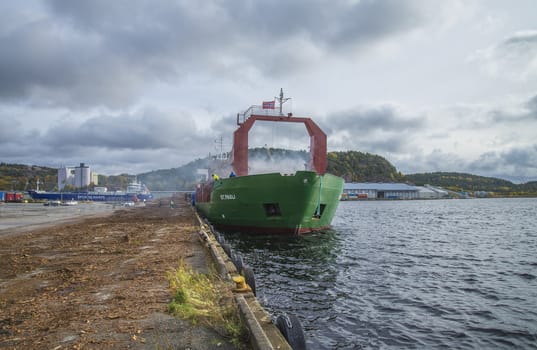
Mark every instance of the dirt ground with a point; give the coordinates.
(100, 282)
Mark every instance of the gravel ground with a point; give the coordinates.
(99, 282)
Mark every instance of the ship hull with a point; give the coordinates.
(87, 196)
(272, 203)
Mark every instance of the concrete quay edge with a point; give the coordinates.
(264, 335)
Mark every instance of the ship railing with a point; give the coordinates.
(257, 110)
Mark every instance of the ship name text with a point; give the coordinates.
(224, 197)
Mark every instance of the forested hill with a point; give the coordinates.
(468, 182)
(181, 178)
(353, 166)
(22, 177)
(356, 166)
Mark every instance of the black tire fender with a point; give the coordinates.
(249, 277)
(239, 263)
(292, 331)
(227, 249)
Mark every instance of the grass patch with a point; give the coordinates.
(207, 300)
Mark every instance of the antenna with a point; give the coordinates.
(282, 100)
(219, 147)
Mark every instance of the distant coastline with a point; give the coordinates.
(353, 166)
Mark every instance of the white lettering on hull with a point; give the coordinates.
(225, 197)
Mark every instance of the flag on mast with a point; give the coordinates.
(269, 104)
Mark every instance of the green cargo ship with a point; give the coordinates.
(273, 203)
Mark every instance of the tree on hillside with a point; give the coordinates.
(356, 166)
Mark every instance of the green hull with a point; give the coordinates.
(273, 203)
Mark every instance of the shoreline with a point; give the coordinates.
(99, 281)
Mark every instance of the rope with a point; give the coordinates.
(318, 214)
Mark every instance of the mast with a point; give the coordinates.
(282, 100)
(318, 161)
(219, 147)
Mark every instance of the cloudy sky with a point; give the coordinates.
(134, 85)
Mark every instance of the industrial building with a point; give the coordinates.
(432, 192)
(366, 190)
(78, 177)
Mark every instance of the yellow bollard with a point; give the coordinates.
(240, 285)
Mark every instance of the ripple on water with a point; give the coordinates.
(407, 274)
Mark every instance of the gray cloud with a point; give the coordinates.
(143, 130)
(386, 131)
(374, 129)
(141, 140)
(515, 57)
(71, 73)
(518, 161)
(85, 53)
(527, 112)
(8, 128)
(524, 41)
(435, 160)
(531, 105)
(213, 25)
(56, 69)
(383, 117)
(517, 164)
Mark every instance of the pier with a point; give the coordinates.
(100, 282)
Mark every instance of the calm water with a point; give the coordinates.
(457, 274)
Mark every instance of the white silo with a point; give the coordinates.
(82, 176)
(65, 177)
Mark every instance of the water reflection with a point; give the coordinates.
(316, 249)
(407, 274)
(304, 267)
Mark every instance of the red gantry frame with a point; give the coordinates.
(317, 162)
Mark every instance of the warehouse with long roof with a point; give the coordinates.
(368, 190)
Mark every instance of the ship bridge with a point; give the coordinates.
(267, 112)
